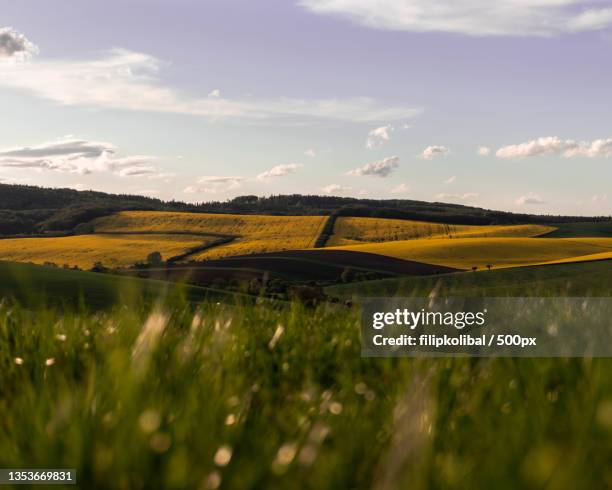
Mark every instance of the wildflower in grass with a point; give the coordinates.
(286, 454)
(149, 420)
(212, 481)
(160, 442)
(223, 456)
(335, 408)
(148, 339)
(284, 457)
(318, 433)
(18, 361)
(361, 388)
(61, 337)
(308, 454)
(50, 361)
(275, 338)
(196, 321)
(230, 419)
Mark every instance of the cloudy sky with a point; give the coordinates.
(503, 104)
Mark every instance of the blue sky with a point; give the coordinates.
(503, 104)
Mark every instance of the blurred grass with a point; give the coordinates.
(39, 286)
(147, 394)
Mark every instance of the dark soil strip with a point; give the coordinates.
(337, 258)
(201, 248)
(327, 231)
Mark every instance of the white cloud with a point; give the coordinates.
(591, 20)
(77, 156)
(15, 46)
(280, 171)
(312, 153)
(450, 180)
(483, 151)
(473, 17)
(400, 189)
(127, 80)
(215, 93)
(554, 146)
(530, 198)
(468, 196)
(381, 168)
(137, 171)
(335, 189)
(214, 184)
(432, 152)
(600, 198)
(377, 137)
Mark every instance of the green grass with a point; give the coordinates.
(146, 394)
(581, 229)
(574, 279)
(35, 284)
(141, 397)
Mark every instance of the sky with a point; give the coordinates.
(503, 105)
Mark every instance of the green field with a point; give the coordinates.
(573, 279)
(36, 285)
(244, 396)
(582, 229)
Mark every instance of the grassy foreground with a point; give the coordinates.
(247, 396)
(37, 286)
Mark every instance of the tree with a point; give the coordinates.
(489, 266)
(347, 275)
(474, 269)
(155, 259)
(99, 267)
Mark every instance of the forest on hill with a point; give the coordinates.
(32, 210)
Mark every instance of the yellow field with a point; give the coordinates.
(586, 258)
(465, 253)
(84, 250)
(349, 231)
(256, 234)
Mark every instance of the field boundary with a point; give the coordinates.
(202, 248)
(327, 231)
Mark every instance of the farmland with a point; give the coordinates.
(466, 253)
(254, 234)
(126, 238)
(352, 230)
(85, 250)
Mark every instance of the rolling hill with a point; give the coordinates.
(251, 234)
(353, 230)
(112, 251)
(581, 279)
(465, 253)
(39, 285)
